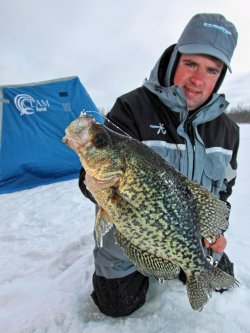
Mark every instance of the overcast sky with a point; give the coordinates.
(111, 45)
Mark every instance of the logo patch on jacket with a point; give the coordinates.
(160, 128)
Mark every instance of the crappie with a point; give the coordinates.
(159, 215)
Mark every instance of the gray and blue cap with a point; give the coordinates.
(209, 34)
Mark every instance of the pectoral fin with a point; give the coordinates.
(102, 226)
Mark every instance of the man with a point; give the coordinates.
(179, 114)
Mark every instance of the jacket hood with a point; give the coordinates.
(160, 81)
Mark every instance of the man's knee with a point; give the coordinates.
(120, 296)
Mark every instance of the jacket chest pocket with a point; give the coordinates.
(214, 172)
(174, 154)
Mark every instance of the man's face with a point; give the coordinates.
(197, 75)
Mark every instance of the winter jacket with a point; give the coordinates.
(202, 144)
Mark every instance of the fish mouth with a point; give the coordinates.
(75, 143)
(76, 137)
(77, 132)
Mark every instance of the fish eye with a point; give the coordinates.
(100, 140)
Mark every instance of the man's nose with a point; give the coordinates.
(197, 77)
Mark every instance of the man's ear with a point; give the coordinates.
(220, 79)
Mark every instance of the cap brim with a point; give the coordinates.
(205, 49)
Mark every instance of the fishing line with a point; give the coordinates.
(84, 112)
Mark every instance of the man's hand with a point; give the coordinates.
(218, 246)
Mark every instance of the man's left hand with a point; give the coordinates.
(218, 246)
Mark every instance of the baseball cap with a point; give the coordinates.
(209, 34)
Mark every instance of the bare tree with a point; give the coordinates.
(240, 113)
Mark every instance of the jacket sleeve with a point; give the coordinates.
(82, 186)
(231, 172)
(120, 119)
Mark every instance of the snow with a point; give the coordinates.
(46, 265)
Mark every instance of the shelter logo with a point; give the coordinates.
(27, 105)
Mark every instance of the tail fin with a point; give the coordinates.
(199, 289)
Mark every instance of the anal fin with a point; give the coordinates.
(147, 263)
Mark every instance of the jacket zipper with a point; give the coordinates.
(190, 132)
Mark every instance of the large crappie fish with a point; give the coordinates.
(160, 216)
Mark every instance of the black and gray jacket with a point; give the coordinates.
(202, 144)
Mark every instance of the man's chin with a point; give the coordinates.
(193, 106)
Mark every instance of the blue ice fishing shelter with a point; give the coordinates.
(33, 118)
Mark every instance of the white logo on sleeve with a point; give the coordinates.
(160, 127)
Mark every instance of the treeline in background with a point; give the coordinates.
(240, 114)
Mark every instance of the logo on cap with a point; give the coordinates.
(218, 27)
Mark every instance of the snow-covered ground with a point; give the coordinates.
(46, 268)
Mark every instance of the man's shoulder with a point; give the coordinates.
(137, 95)
(230, 123)
(224, 128)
